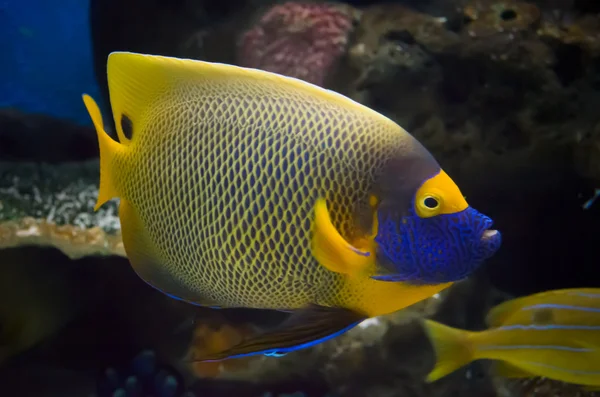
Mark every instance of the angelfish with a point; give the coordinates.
(244, 188)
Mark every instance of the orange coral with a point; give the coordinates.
(208, 338)
(74, 241)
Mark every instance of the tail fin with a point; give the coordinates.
(108, 148)
(452, 347)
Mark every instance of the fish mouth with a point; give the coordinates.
(489, 234)
(490, 238)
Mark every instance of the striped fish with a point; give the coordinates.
(553, 334)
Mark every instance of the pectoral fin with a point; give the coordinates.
(385, 274)
(331, 250)
(303, 329)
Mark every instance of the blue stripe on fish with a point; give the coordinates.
(572, 371)
(549, 327)
(568, 307)
(586, 295)
(536, 347)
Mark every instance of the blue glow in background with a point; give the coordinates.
(46, 60)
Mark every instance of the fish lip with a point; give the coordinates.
(488, 236)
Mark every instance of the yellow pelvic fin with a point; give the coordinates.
(331, 250)
(452, 346)
(507, 370)
(108, 148)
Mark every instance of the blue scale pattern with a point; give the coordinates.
(440, 249)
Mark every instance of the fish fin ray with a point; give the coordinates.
(108, 148)
(304, 328)
(385, 274)
(331, 250)
(452, 349)
(145, 260)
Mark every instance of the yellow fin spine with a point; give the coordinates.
(108, 148)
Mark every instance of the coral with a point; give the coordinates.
(505, 33)
(490, 92)
(53, 206)
(144, 378)
(64, 194)
(583, 30)
(489, 17)
(392, 51)
(297, 39)
(74, 241)
(208, 338)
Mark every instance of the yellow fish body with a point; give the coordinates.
(554, 334)
(243, 188)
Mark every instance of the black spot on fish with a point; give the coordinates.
(544, 316)
(127, 126)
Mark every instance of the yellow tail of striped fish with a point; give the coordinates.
(452, 347)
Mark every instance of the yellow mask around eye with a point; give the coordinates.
(439, 195)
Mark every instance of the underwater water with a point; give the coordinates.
(208, 242)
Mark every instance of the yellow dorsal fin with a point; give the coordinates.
(331, 250)
(136, 80)
(108, 148)
(500, 313)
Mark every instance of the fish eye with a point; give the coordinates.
(431, 202)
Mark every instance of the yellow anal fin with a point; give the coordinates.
(108, 149)
(145, 260)
(331, 250)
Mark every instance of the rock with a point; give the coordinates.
(52, 205)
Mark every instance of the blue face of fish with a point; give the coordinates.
(440, 239)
